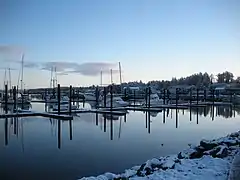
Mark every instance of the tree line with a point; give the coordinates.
(198, 79)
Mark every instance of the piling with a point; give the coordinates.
(149, 94)
(125, 93)
(14, 98)
(105, 99)
(111, 93)
(205, 95)
(213, 97)
(146, 96)
(6, 98)
(97, 96)
(191, 97)
(134, 96)
(197, 95)
(59, 98)
(70, 100)
(22, 100)
(177, 97)
(164, 97)
(230, 97)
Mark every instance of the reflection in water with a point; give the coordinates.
(59, 134)
(223, 111)
(6, 131)
(121, 135)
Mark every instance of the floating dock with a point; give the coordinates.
(34, 114)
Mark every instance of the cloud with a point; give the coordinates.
(87, 69)
(94, 69)
(64, 68)
(9, 49)
(60, 66)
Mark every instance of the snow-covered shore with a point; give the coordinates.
(211, 160)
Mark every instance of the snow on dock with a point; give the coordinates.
(211, 160)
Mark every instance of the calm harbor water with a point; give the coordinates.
(42, 148)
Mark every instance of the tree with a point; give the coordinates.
(220, 78)
(238, 80)
(228, 77)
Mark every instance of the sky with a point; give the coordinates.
(153, 39)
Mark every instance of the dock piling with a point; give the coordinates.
(191, 97)
(134, 96)
(164, 96)
(6, 98)
(205, 95)
(14, 98)
(146, 97)
(59, 98)
(149, 95)
(197, 95)
(111, 89)
(105, 100)
(97, 96)
(70, 100)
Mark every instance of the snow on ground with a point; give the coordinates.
(211, 160)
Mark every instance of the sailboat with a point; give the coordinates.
(24, 99)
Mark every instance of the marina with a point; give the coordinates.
(119, 90)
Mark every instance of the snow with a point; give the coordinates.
(210, 160)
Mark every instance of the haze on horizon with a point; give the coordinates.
(153, 39)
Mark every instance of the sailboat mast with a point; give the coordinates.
(10, 84)
(101, 79)
(5, 76)
(111, 77)
(51, 81)
(22, 74)
(120, 72)
(55, 85)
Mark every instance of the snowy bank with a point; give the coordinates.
(210, 160)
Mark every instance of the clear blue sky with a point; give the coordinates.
(153, 39)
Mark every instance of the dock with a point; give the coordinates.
(34, 114)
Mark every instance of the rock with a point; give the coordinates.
(139, 171)
(219, 151)
(169, 164)
(180, 156)
(223, 152)
(207, 145)
(158, 166)
(196, 154)
(148, 171)
(236, 134)
(178, 161)
(230, 142)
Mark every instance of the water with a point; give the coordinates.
(42, 148)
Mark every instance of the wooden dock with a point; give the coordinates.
(34, 114)
(119, 112)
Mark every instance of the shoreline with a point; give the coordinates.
(211, 159)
